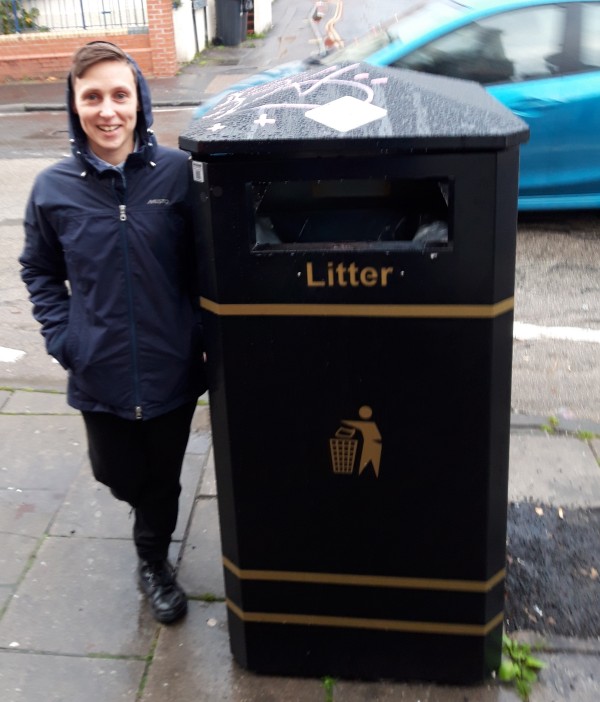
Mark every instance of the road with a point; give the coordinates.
(556, 368)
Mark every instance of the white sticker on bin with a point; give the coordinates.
(198, 171)
(346, 113)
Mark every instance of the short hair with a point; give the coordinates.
(96, 51)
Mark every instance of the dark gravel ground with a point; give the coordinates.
(553, 570)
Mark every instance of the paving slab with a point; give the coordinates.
(193, 663)
(6, 593)
(560, 423)
(31, 402)
(222, 81)
(28, 512)
(80, 598)
(200, 426)
(90, 510)
(32, 677)
(415, 692)
(208, 488)
(15, 552)
(199, 443)
(5, 396)
(568, 678)
(41, 452)
(555, 470)
(201, 568)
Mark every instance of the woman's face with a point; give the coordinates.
(105, 98)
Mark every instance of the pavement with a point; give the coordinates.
(73, 626)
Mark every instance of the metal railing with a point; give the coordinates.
(81, 14)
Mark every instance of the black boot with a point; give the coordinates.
(167, 599)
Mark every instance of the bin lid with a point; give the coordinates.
(354, 107)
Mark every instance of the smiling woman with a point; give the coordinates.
(110, 268)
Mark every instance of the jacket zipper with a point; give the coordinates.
(130, 310)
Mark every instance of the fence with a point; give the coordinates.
(82, 14)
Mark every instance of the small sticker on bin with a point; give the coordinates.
(198, 171)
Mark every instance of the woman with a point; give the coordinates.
(109, 265)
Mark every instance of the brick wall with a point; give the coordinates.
(162, 38)
(39, 56)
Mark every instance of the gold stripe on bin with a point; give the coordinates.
(405, 626)
(345, 310)
(446, 585)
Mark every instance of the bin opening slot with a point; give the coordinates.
(292, 214)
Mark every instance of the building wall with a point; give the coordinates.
(190, 30)
(42, 55)
(263, 16)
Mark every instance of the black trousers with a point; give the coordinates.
(140, 461)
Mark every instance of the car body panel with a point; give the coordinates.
(561, 163)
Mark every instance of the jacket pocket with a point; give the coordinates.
(56, 348)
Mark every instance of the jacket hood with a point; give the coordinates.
(145, 136)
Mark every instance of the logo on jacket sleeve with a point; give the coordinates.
(159, 201)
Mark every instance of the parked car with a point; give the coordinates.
(541, 59)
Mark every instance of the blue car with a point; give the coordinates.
(541, 59)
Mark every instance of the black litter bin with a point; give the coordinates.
(357, 228)
(232, 21)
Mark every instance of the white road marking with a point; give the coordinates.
(10, 355)
(526, 332)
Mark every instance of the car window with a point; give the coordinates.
(410, 23)
(590, 40)
(511, 46)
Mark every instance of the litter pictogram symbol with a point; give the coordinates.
(343, 450)
(344, 445)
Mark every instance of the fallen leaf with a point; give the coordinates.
(539, 511)
(594, 574)
(561, 514)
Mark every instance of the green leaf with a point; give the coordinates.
(507, 643)
(528, 675)
(535, 663)
(523, 688)
(508, 670)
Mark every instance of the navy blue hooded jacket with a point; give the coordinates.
(109, 265)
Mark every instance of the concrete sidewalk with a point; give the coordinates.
(74, 627)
